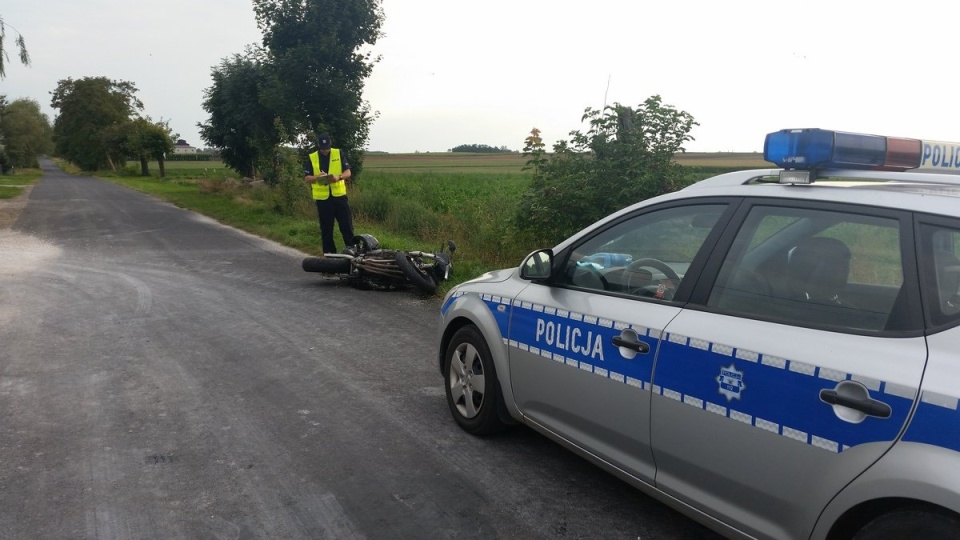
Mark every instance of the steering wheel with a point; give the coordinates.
(656, 264)
(588, 277)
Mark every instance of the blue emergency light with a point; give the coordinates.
(811, 150)
(820, 148)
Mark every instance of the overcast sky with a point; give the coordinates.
(466, 72)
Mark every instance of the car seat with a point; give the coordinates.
(817, 270)
(948, 281)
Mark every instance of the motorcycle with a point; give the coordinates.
(365, 264)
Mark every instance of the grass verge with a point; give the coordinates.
(11, 184)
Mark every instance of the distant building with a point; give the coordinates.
(181, 147)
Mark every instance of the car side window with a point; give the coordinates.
(940, 271)
(646, 255)
(812, 267)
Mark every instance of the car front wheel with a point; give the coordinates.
(472, 387)
(918, 523)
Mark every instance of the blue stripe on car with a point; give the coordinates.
(777, 391)
(935, 422)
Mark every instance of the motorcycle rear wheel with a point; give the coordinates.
(326, 265)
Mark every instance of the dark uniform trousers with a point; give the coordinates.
(328, 210)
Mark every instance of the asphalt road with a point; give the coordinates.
(164, 376)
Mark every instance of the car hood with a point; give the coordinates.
(495, 276)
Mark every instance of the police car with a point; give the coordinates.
(775, 353)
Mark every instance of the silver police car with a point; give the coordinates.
(775, 353)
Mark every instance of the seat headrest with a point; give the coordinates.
(818, 268)
(948, 280)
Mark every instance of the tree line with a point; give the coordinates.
(307, 77)
(482, 149)
(98, 123)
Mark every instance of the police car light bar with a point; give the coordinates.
(802, 152)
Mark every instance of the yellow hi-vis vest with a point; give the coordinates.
(335, 189)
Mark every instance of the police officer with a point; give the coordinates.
(326, 171)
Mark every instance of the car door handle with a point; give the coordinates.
(638, 346)
(868, 406)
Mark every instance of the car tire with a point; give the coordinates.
(916, 523)
(470, 380)
(326, 265)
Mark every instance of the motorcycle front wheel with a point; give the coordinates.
(421, 278)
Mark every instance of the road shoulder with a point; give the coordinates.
(10, 208)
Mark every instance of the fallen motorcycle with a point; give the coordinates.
(365, 265)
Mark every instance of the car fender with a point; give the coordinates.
(472, 307)
(916, 471)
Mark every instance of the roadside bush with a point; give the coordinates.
(626, 156)
(291, 195)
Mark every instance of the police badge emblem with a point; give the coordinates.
(731, 382)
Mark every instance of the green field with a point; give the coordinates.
(514, 163)
(445, 162)
(737, 160)
(461, 162)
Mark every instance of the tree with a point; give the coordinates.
(26, 132)
(241, 124)
(119, 141)
(481, 149)
(625, 157)
(21, 48)
(535, 148)
(88, 107)
(156, 141)
(141, 139)
(315, 53)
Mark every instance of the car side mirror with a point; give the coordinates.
(537, 266)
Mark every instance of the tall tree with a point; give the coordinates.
(25, 131)
(21, 49)
(88, 107)
(316, 48)
(241, 123)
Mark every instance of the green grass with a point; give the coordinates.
(462, 162)
(22, 177)
(474, 210)
(179, 169)
(11, 184)
(9, 192)
(453, 162)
